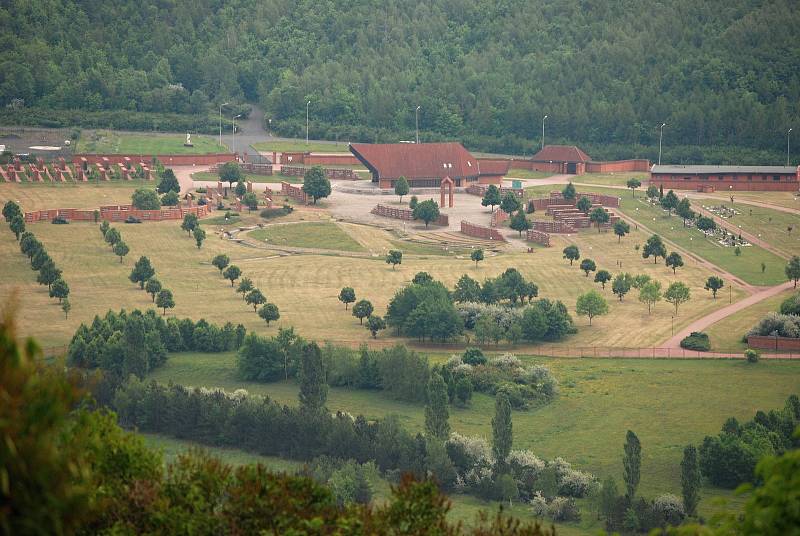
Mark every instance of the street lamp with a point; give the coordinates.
(307, 105)
(787, 145)
(417, 123)
(220, 120)
(543, 118)
(660, 137)
(233, 123)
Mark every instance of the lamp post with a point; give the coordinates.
(787, 145)
(543, 119)
(417, 123)
(660, 137)
(307, 105)
(220, 120)
(233, 126)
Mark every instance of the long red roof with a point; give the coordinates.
(413, 161)
(561, 153)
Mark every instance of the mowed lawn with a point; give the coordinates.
(318, 235)
(747, 266)
(772, 226)
(782, 199)
(305, 287)
(104, 141)
(726, 335)
(611, 179)
(293, 146)
(48, 195)
(667, 403)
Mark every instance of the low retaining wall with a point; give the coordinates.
(479, 231)
(480, 189)
(256, 169)
(330, 173)
(166, 159)
(319, 159)
(553, 227)
(539, 237)
(116, 213)
(773, 343)
(405, 214)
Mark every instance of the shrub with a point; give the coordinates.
(132, 219)
(667, 509)
(791, 305)
(474, 356)
(269, 213)
(776, 324)
(752, 355)
(697, 340)
(59, 220)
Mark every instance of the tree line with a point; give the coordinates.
(726, 77)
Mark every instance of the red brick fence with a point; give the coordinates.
(764, 342)
(295, 192)
(116, 213)
(480, 189)
(479, 231)
(538, 237)
(498, 217)
(330, 173)
(405, 214)
(553, 227)
(166, 159)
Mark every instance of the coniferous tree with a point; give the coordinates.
(632, 464)
(502, 429)
(690, 480)
(436, 412)
(313, 389)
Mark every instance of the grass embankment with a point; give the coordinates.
(47, 195)
(667, 403)
(318, 235)
(300, 146)
(611, 179)
(747, 266)
(109, 142)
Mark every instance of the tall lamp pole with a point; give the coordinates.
(307, 105)
(220, 120)
(417, 123)
(660, 137)
(234, 132)
(787, 145)
(543, 119)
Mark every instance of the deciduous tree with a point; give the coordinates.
(588, 265)
(232, 273)
(584, 204)
(714, 283)
(59, 289)
(572, 253)
(654, 247)
(245, 286)
(255, 298)
(17, 226)
(165, 301)
(509, 203)
(269, 312)
(599, 216)
(676, 294)
(199, 236)
(145, 199)
(362, 309)
(426, 211)
(793, 269)
(142, 271)
(153, 287)
(670, 202)
(674, 261)
(477, 256)
(375, 324)
(633, 184)
(316, 184)
(591, 304)
(221, 262)
(602, 277)
(491, 197)
(394, 257)
(621, 285)
(650, 293)
(519, 222)
(401, 188)
(230, 172)
(121, 249)
(347, 295)
(189, 223)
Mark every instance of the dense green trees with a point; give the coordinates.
(607, 95)
(315, 184)
(427, 211)
(145, 199)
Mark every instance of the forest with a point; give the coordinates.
(721, 74)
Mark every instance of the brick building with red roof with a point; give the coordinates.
(561, 159)
(424, 165)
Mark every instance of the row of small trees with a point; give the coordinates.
(363, 308)
(49, 274)
(269, 312)
(191, 225)
(142, 273)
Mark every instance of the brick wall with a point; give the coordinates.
(773, 343)
(617, 166)
(479, 231)
(168, 159)
(480, 190)
(115, 213)
(256, 169)
(539, 237)
(318, 159)
(405, 214)
(295, 192)
(498, 217)
(341, 174)
(555, 227)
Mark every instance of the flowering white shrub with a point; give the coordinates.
(669, 508)
(506, 361)
(469, 451)
(454, 361)
(463, 368)
(539, 505)
(525, 460)
(558, 509)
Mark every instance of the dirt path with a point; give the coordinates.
(702, 323)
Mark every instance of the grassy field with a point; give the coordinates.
(45, 195)
(305, 286)
(301, 146)
(782, 199)
(747, 266)
(321, 235)
(599, 401)
(527, 174)
(208, 176)
(611, 179)
(770, 225)
(104, 141)
(726, 335)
